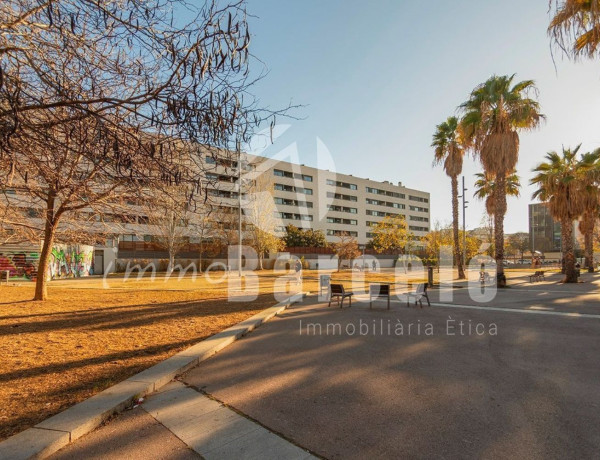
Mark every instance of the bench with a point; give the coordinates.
(418, 295)
(377, 291)
(537, 276)
(337, 290)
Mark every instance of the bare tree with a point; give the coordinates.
(168, 212)
(96, 98)
(260, 216)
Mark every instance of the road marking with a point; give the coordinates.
(517, 310)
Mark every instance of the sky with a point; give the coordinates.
(375, 78)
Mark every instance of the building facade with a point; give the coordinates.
(336, 203)
(545, 233)
(303, 196)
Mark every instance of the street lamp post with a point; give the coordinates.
(464, 207)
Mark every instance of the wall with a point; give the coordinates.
(21, 264)
(71, 261)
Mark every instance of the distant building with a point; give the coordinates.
(544, 231)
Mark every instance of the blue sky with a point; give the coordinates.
(376, 77)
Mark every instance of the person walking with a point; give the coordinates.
(298, 269)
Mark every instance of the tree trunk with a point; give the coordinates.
(41, 285)
(458, 259)
(499, 212)
(587, 226)
(566, 227)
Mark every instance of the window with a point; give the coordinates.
(418, 229)
(418, 198)
(379, 191)
(210, 160)
(340, 233)
(371, 212)
(386, 203)
(340, 196)
(294, 216)
(341, 184)
(291, 188)
(337, 208)
(339, 220)
(418, 209)
(419, 219)
(290, 202)
(281, 173)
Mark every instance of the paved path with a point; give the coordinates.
(530, 391)
(181, 423)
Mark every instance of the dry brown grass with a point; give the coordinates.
(81, 341)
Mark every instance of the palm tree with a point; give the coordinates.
(493, 116)
(486, 188)
(589, 172)
(557, 182)
(449, 150)
(575, 27)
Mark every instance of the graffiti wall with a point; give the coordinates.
(21, 265)
(71, 261)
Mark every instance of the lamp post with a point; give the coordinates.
(464, 207)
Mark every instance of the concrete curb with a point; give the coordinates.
(54, 433)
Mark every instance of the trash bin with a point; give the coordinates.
(430, 276)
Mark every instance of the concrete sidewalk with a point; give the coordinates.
(181, 423)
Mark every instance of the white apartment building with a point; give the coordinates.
(335, 203)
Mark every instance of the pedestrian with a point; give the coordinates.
(374, 265)
(298, 268)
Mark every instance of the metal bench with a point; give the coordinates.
(418, 295)
(377, 291)
(337, 290)
(537, 276)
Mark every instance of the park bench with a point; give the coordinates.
(337, 290)
(537, 276)
(378, 291)
(418, 295)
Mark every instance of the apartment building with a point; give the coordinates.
(303, 196)
(339, 203)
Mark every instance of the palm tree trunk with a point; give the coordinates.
(566, 227)
(587, 226)
(499, 212)
(457, 250)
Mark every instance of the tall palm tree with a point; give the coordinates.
(493, 116)
(557, 182)
(485, 189)
(575, 27)
(589, 172)
(449, 151)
